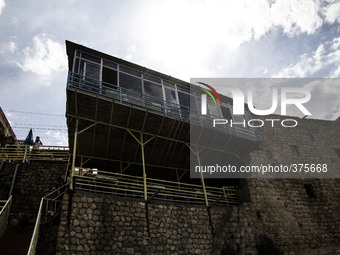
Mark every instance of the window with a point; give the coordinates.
(91, 70)
(170, 96)
(184, 101)
(213, 109)
(169, 84)
(90, 58)
(129, 82)
(226, 113)
(129, 71)
(109, 64)
(295, 150)
(152, 78)
(109, 77)
(153, 89)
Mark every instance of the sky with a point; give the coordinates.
(181, 38)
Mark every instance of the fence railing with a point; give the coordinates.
(27, 153)
(5, 207)
(164, 107)
(49, 205)
(117, 184)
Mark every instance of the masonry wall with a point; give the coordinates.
(33, 181)
(315, 140)
(280, 216)
(277, 221)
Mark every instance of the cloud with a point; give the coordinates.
(45, 57)
(56, 138)
(12, 46)
(325, 59)
(2, 5)
(332, 13)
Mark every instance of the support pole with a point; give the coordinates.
(74, 155)
(13, 180)
(142, 144)
(196, 152)
(202, 179)
(144, 172)
(23, 160)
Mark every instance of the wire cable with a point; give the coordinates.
(37, 113)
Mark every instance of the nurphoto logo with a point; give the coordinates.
(287, 97)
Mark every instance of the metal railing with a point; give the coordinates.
(27, 153)
(123, 185)
(158, 105)
(5, 207)
(48, 208)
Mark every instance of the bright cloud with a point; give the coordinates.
(45, 57)
(194, 31)
(180, 24)
(2, 5)
(326, 56)
(332, 13)
(12, 46)
(56, 138)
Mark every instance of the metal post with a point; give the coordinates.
(202, 179)
(13, 180)
(23, 160)
(196, 152)
(144, 173)
(74, 155)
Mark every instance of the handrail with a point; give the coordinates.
(151, 103)
(26, 153)
(35, 235)
(4, 214)
(45, 204)
(132, 186)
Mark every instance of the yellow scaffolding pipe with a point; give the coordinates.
(74, 155)
(144, 172)
(196, 152)
(142, 144)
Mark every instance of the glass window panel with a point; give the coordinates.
(152, 89)
(130, 71)
(91, 58)
(129, 82)
(109, 77)
(109, 64)
(169, 84)
(170, 96)
(92, 70)
(213, 109)
(184, 89)
(226, 113)
(152, 78)
(76, 66)
(184, 99)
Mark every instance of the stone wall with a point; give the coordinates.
(310, 142)
(282, 221)
(104, 224)
(281, 216)
(33, 181)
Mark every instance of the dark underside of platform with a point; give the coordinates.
(105, 136)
